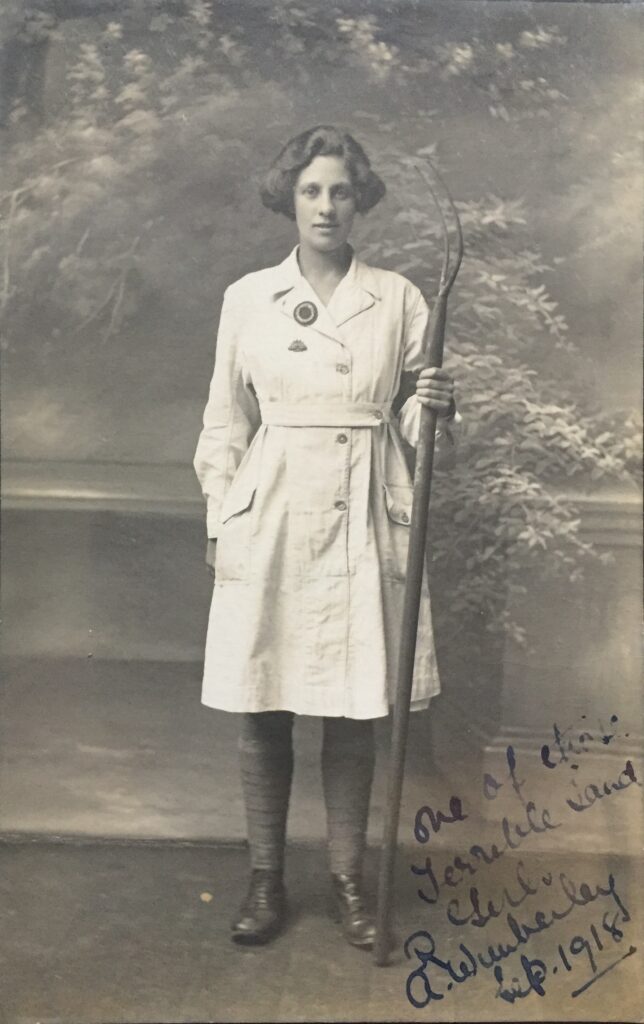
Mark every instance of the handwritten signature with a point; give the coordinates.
(423, 981)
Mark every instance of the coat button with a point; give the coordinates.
(342, 438)
(404, 517)
(341, 506)
(342, 368)
(378, 414)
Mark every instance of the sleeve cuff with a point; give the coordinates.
(448, 427)
(212, 524)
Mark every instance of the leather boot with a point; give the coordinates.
(263, 912)
(358, 924)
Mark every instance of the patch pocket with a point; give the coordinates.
(398, 501)
(234, 542)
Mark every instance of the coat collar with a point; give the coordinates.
(356, 292)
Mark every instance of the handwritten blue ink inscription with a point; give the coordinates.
(501, 908)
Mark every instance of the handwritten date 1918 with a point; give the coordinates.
(535, 971)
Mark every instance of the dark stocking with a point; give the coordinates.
(266, 754)
(347, 773)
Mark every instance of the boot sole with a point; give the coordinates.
(367, 944)
(243, 938)
(336, 917)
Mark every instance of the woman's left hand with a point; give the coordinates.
(435, 389)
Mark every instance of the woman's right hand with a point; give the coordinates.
(211, 552)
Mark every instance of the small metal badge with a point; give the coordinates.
(305, 313)
(297, 346)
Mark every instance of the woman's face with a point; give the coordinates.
(325, 205)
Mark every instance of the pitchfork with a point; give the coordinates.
(433, 344)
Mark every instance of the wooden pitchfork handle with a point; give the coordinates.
(433, 343)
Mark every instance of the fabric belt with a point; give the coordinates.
(326, 414)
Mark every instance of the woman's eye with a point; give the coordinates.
(310, 190)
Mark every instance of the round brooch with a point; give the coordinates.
(305, 313)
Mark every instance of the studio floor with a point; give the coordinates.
(139, 933)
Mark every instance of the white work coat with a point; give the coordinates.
(309, 494)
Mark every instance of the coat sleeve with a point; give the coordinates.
(448, 428)
(231, 417)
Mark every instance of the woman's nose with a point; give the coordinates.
(326, 207)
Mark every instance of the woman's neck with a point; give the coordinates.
(324, 266)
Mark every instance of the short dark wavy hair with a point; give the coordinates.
(323, 140)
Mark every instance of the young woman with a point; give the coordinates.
(318, 373)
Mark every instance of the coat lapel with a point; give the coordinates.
(356, 292)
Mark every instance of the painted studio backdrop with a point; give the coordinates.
(134, 136)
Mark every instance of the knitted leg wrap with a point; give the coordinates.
(347, 773)
(266, 756)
